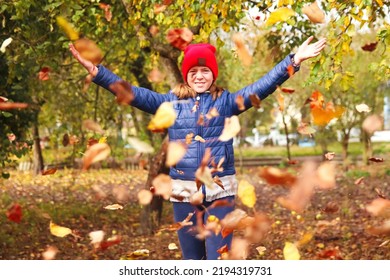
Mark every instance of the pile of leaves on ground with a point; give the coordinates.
(78, 215)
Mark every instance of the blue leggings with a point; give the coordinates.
(192, 248)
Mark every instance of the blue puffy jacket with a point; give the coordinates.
(186, 122)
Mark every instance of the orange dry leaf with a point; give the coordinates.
(175, 152)
(290, 70)
(59, 231)
(123, 92)
(153, 30)
(197, 198)
(213, 112)
(116, 239)
(326, 175)
(255, 100)
(329, 155)
(164, 117)
(179, 38)
(287, 90)
(316, 100)
(242, 51)
(276, 176)
(107, 11)
(240, 102)
(280, 99)
(155, 76)
(189, 137)
(186, 222)
(14, 213)
(231, 129)
(162, 185)
(322, 117)
(95, 153)
(239, 249)
(376, 159)
(370, 47)
(89, 50)
(314, 13)
(379, 207)
(144, 197)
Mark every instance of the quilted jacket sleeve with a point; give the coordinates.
(265, 85)
(144, 99)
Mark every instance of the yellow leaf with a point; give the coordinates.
(59, 230)
(103, 139)
(67, 28)
(247, 194)
(232, 128)
(280, 14)
(165, 117)
(380, 3)
(291, 252)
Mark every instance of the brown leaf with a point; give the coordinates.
(218, 182)
(329, 155)
(290, 70)
(93, 126)
(359, 181)
(163, 185)
(107, 11)
(14, 213)
(123, 92)
(89, 50)
(380, 193)
(43, 74)
(379, 207)
(144, 197)
(213, 112)
(372, 123)
(242, 51)
(255, 100)
(331, 207)
(370, 47)
(154, 30)
(175, 152)
(231, 128)
(276, 176)
(240, 102)
(376, 159)
(65, 140)
(116, 239)
(314, 13)
(49, 171)
(287, 90)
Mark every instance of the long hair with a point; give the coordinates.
(184, 91)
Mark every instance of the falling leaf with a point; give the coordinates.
(165, 117)
(326, 175)
(291, 252)
(59, 231)
(179, 38)
(255, 100)
(50, 253)
(159, 8)
(239, 249)
(314, 13)
(67, 28)
(290, 70)
(257, 228)
(11, 137)
(359, 181)
(261, 250)
(203, 174)
(123, 92)
(379, 207)
(305, 129)
(231, 129)
(232, 221)
(14, 213)
(179, 225)
(113, 207)
(329, 155)
(43, 74)
(287, 90)
(175, 152)
(280, 99)
(49, 171)
(242, 51)
(155, 76)
(200, 139)
(196, 198)
(363, 108)
(189, 137)
(370, 47)
(93, 126)
(322, 116)
(275, 176)
(376, 159)
(140, 146)
(144, 197)
(162, 184)
(114, 240)
(240, 102)
(246, 193)
(371, 124)
(95, 153)
(154, 30)
(172, 246)
(280, 14)
(107, 11)
(383, 229)
(5, 44)
(89, 50)
(3, 99)
(380, 193)
(213, 112)
(12, 105)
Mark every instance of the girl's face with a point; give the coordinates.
(200, 78)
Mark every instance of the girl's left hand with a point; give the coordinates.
(307, 50)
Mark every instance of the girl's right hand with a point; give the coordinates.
(88, 65)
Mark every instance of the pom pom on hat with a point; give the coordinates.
(199, 55)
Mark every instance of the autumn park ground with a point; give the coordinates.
(336, 224)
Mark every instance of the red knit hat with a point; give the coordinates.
(199, 55)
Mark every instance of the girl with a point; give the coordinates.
(200, 71)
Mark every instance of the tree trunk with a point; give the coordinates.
(367, 150)
(37, 151)
(151, 214)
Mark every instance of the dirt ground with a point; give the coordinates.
(335, 225)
